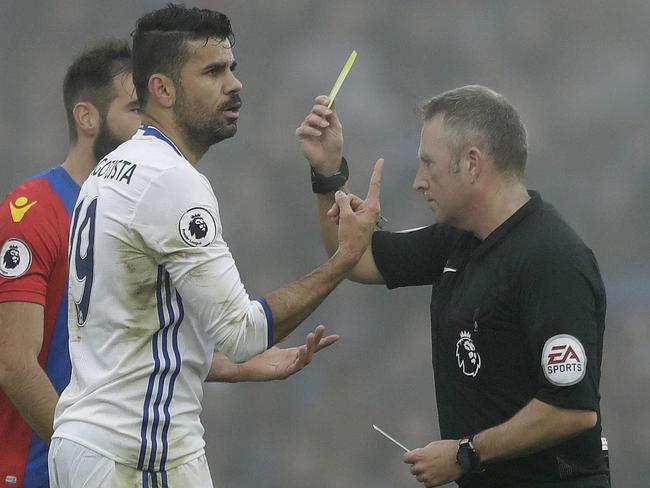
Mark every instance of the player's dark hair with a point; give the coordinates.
(90, 78)
(159, 41)
(476, 115)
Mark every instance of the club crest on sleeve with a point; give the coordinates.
(197, 227)
(469, 360)
(15, 258)
(20, 207)
(564, 360)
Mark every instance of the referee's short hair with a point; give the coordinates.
(476, 115)
(90, 78)
(159, 41)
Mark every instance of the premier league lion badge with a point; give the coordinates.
(197, 227)
(15, 258)
(469, 360)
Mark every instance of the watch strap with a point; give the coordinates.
(468, 456)
(329, 184)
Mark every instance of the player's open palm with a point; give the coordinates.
(357, 218)
(277, 363)
(321, 137)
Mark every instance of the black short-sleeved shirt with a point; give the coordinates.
(517, 316)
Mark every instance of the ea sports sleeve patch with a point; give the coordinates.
(564, 361)
(562, 304)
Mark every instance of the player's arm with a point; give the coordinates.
(321, 138)
(291, 304)
(21, 377)
(180, 225)
(366, 270)
(534, 428)
(273, 364)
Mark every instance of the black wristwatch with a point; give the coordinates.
(468, 456)
(329, 184)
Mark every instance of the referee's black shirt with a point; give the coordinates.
(517, 316)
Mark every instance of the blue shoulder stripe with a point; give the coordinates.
(63, 185)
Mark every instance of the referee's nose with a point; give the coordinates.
(420, 182)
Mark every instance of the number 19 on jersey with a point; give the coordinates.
(81, 257)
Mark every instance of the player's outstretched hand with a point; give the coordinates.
(321, 137)
(357, 218)
(278, 364)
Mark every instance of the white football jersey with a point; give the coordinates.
(153, 292)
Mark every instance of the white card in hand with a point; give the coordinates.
(389, 437)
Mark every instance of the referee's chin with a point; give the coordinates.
(438, 216)
(443, 219)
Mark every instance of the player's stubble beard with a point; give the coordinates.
(106, 142)
(201, 127)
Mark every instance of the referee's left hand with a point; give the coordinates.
(435, 464)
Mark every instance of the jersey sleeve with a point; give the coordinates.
(29, 246)
(563, 310)
(178, 220)
(412, 258)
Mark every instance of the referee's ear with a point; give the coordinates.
(161, 90)
(475, 162)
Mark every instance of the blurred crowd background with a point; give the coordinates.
(579, 73)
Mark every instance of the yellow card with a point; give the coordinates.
(339, 81)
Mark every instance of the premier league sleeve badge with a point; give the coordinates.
(197, 227)
(15, 258)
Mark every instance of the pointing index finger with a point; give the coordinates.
(375, 181)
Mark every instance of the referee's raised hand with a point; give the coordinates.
(321, 137)
(356, 217)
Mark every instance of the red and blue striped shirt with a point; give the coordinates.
(34, 230)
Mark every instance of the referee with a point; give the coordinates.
(517, 306)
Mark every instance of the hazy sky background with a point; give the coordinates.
(577, 71)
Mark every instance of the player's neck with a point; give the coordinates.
(79, 162)
(171, 130)
(498, 206)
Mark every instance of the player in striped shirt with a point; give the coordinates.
(102, 112)
(155, 295)
(34, 222)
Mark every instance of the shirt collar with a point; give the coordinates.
(150, 130)
(498, 234)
